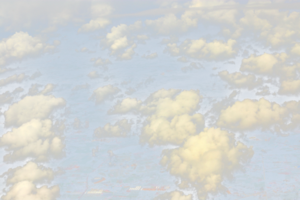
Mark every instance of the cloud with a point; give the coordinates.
(264, 91)
(32, 107)
(32, 139)
(252, 114)
(93, 74)
(7, 97)
(205, 160)
(125, 106)
(12, 79)
(200, 49)
(170, 117)
(47, 89)
(29, 172)
(120, 129)
(103, 93)
(289, 87)
(20, 46)
(175, 195)
(100, 62)
(94, 25)
(239, 80)
(85, 86)
(26, 190)
(150, 56)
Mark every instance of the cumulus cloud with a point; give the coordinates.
(174, 195)
(205, 160)
(12, 79)
(47, 89)
(289, 87)
(125, 106)
(120, 129)
(31, 107)
(32, 139)
(103, 93)
(171, 117)
(94, 25)
(29, 172)
(20, 46)
(150, 56)
(252, 114)
(93, 74)
(200, 49)
(239, 80)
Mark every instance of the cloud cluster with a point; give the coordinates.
(205, 160)
(34, 136)
(120, 129)
(170, 115)
(20, 46)
(252, 114)
(174, 195)
(103, 93)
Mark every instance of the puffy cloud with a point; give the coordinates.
(252, 114)
(170, 117)
(93, 74)
(31, 107)
(120, 129)
(29, 172)
(100, 62)
(289, 87)
(175, 195)
(21, 45)
(296, 49)
(150, 56)
(125, 106)
(33, 139)
(239, 80)
(200, 49)
(7, 96)
(47, 89)
(191, 67)
(94, 25)
(26, 190)
(103, 93)
(85, 86)
(205, 160)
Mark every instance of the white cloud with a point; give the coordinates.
(205, 160)
(252, 114)
(171, 117)
(20, 46)
(12, 79)
(120, 129)
(200, 49)
(239, 80)
(103, 93)
(31, 107)
(125, 106)
(47, 89)
(94, 25)
(289, 87)
(93, 74)
(32, 139)
(150, 56)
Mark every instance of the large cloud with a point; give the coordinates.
(171, 117)
(21, 45)
(31, 107)
(252, 114)
(103, 93)
(33, 139)
(120, 129)
(205, 160)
